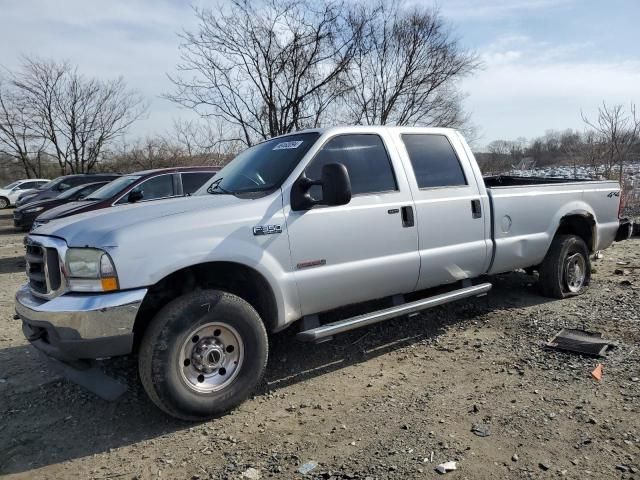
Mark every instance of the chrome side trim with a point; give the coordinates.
(83, 316)
(378, 316)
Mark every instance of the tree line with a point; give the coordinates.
(251, 70)
(608, 142)
(254, 69)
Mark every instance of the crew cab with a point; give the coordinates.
(292, 229)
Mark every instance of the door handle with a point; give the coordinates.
(407, 217)
(476, 209)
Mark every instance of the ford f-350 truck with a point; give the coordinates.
(293, 228)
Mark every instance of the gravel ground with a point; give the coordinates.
(390, 401)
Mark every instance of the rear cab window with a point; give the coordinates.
(434, 160)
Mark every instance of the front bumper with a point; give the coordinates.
(80, 326)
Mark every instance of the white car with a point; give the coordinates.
(10, 193)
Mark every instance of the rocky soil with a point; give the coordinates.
(390, 401)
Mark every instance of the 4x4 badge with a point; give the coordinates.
(267, 229)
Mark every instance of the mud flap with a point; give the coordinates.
(89, 376)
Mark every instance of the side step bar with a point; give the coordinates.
(330, 329)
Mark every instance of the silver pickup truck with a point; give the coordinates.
(291, 229)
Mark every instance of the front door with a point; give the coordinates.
(359, 251)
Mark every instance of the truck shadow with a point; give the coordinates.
(12, 264)
(48, 420)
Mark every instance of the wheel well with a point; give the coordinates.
(581, 225)
(228, 276)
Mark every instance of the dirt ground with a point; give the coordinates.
(389, 401)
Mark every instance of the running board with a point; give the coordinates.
(330, 329)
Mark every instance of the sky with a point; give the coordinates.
(543, 61)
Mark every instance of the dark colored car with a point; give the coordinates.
(24, 216)
(136, 187)
(58, 185)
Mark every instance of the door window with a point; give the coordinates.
(366, 159)
(434, 161)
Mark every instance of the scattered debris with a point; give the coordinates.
(597, 372)
(481, 429)
(446, 467)
(626, 283)
(580, 341)
(599, 255)
(514, 457)
(620, 271)
(544, 466)
(251, 474)
(307, 467)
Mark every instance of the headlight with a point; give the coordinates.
(34, 210)
(90, 270)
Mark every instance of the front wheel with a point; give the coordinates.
(4, 203)
(566, 269)
(203, 354)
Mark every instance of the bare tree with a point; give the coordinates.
(18, 140)
(618, 132)
(76, 117)
(406, 69)
(266, 68)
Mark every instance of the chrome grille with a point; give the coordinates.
(43, 269)
(35, 258)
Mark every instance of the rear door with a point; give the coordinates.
(359, 251)
(450, 215)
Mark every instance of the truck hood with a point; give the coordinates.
(105, 227)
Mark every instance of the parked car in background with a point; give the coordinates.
(136, 187)
(58, 185)
(24, 216)
(9, 194)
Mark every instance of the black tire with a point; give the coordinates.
(161, 351)
(553, 281)
(4, 203)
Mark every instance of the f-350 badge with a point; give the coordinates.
(267, 229)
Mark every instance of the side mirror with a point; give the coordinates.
(63, 186)
(135, 195)
(336, 188)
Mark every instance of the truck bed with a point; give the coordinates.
(526, 213)
(515, 181)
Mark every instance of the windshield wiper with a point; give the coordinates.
(216, 189)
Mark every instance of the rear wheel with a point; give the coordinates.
(566, 269)
(203, 354)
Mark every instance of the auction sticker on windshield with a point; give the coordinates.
(288, 145)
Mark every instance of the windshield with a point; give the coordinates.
(112, 188)
(11, 185)
(261, 168)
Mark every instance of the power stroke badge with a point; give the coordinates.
(267, 229)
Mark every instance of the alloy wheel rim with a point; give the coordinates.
(575, 271)
(211, 357)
